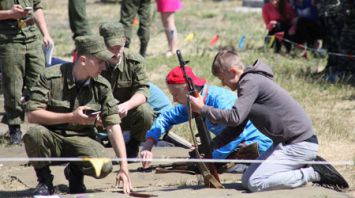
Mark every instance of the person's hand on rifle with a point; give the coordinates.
(196, 103)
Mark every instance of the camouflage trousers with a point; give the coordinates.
(41, 142)
(77, 18)
(129, 10)
(21, 65)
(138, 121)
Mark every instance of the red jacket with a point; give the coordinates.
(270, 13)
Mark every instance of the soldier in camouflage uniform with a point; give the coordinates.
(58, 104)
(130, 86)
(21, 56)
(129, 10)
(77, 18)
(347, 39)
(332, 21)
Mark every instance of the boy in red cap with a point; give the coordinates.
(215, 96)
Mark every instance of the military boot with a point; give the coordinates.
(45, 179)
(15, 134)
(75, 178)
(132, 148)
(143, 49)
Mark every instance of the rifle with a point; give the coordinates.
(210, 174)
(176, 167)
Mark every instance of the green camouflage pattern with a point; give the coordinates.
(113, 34)
(131, 8)
(57, 91)
(21, 59)
(127, 78)
(42, 142)
(78, 22)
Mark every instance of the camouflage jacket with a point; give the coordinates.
(128, 77)
(10, 30)
(57, 91)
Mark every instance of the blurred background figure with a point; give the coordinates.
(167, 9)
(330, 16)
(21, 57)
(308, 27)
(77, 18)
(278, 16)
(129, 10)
(346, 67)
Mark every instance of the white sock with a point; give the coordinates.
(310, 175)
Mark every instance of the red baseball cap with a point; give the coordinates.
(176, 76)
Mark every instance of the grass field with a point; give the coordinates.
(330, 106)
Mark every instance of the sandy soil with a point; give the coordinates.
(18, 180)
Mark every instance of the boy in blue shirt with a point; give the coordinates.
(215, 96)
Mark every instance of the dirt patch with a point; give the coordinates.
(18, 180)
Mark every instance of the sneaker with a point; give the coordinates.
(15, 134)
(330, 178)
(76, 180)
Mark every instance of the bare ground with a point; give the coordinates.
(17, 179)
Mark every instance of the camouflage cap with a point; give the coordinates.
(113, 33)
(93, 45)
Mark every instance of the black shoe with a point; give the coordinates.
(15, 134)
(132, 149)
(76, 180)
(330, 178)
(44, 189)
(45, 179)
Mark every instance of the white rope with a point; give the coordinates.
(188, 160)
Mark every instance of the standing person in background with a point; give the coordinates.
(278, 16)
(309, 29)
(77, 18)
(346, 67)
(167, 8)
(21, 57)
(333, 23)
(129, 10)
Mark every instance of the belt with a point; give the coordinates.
(312, 139)
(22, 23)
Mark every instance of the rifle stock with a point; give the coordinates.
(209, 173)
